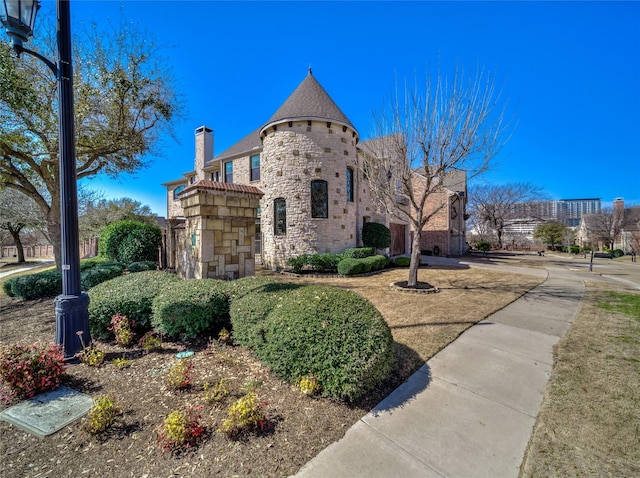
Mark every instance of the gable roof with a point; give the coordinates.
(251, 142)
(309, 101)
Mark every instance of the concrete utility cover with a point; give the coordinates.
(48, 412)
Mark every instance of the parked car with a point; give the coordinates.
(604, 255)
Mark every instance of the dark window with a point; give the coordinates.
(215, 176)
(228, 172)
(279, 216)
(349, 185)
(319, 199)
(177, 191)
(255, 167)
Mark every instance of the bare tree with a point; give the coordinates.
(606, 225)
(19, 214)
(97, 214)
(438, 129)
(494, 206)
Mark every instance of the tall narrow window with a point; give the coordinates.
(228, 172)
(279, 217)
(255, 167)
(349, 185)
(319, 199)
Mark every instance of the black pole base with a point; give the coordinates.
(72, 317)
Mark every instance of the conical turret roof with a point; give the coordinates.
(309, 101)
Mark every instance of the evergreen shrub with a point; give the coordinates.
(131, 295)
(330, 333)
(35, 286)
(349, 267)
(376, 235)
(358, 252)
(618, 253)
(298, 263)
(252, 299)
(141, 244)
(402, 261)
(190, 309)
(100, 273)
(142, 266)
(112, 235)
(325, 262)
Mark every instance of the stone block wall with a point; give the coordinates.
(218, 239)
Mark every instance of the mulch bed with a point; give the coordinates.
(299, 426)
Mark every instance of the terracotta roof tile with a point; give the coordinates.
(219, 186)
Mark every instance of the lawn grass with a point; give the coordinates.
(589, 422)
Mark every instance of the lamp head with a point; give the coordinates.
(18, 18)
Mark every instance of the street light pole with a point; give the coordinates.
(71, 307)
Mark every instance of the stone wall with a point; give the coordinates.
(294, 155)
(219, 231)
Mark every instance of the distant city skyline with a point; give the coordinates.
(568, 71)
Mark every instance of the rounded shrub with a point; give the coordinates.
(112, 235)
(131, 295)
(141, 244)
(100, 273)
(35, 286)
(483, 246)
(6, 288)
(251, 301)
(333, 334)
(618, 253)
(358, 252)
(142, 266)
(402, 261)
(190, 309)
(348, 267)
(376, 235)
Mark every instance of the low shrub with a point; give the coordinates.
(92, 262)
(251, 302)
(35, 286)
(27, 370)
(151, 341)
(191, 308)
(142, 266)
(402, 261)
(181, 429)
(122, 328)
(298, 263)
(245, 414)
(180, 375)
(348, 267)
(333, 334)
(483, 246)
(617, 253)
(215, 392)
(101, 415)
(100, 273)
(358, 252)
(6, 288)
(131, 295)
(325, 262)
(376, 263)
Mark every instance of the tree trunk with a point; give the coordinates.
(415, 259)
(15, 234)
(53, 230)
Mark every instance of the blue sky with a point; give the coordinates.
(570, 72)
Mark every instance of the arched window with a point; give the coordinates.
(177, 191)
(279, 217)
(349, 185)
(319, 199)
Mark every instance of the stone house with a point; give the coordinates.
(303, 164)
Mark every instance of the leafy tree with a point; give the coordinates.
(551, 233)
(95, 215)
(494, 206)
(439, 129)
(125, 103)
(19, 213)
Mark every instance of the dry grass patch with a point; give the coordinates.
(589, 423)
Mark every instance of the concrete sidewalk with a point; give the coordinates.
(470, 411)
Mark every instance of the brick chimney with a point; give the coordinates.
(204, 150)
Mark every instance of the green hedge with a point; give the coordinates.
(358, 252)
(130, 241)
(131, 295)
(35, 286)
(142, 266)
(318, 262)
(191, 309)
(402, 261)
(331, 333)
(361, 266)
(100, 273)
